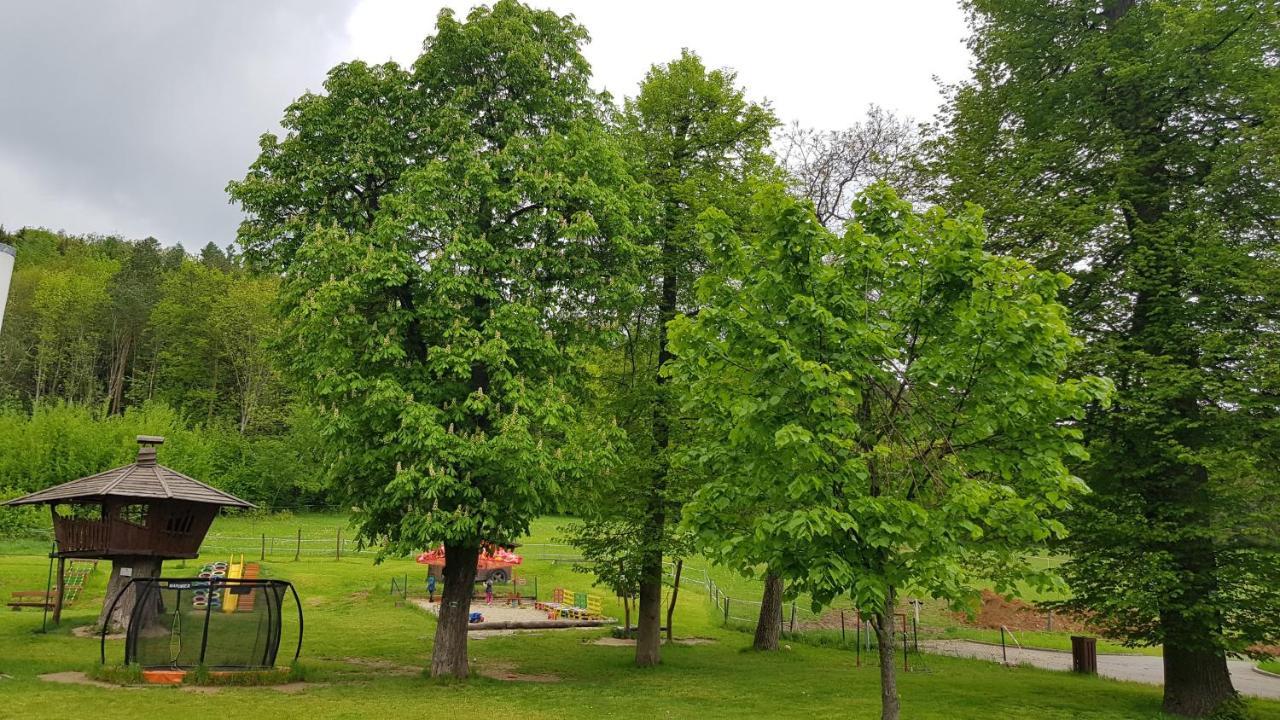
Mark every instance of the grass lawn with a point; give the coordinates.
(1271, 666)
(364, 647)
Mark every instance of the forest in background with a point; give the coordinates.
(107, 338)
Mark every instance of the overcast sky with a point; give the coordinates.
(130, 116)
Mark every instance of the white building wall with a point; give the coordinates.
(7, 254)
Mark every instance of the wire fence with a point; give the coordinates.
(838, 627)
(303, 544)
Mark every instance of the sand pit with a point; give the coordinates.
(505, 617)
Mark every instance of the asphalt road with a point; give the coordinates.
(1137, 668)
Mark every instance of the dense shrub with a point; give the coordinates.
(62, 442)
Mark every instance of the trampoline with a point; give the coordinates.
(216, 622)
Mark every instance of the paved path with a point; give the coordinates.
(1137, 668)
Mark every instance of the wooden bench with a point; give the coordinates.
(28, 598)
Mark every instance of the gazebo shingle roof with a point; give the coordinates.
(143, 480)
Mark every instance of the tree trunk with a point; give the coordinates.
(671, 606)
(767, 627)
(116, 619)
(889, 705)
(626, 613)
(1196, 682)
(449, 655)
(119, 363)
(648, 634)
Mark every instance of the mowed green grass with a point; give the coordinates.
(364, 647)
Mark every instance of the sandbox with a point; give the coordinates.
(502, 616)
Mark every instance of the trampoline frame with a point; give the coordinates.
(147, 586)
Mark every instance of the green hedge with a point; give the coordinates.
(63, 442)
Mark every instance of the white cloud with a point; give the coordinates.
(131, 117)
(819, 62)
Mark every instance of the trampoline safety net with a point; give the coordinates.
(220, 623)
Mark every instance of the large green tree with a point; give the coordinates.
(444, 233)
(1135, 145)
(880, 411)
(697, 142)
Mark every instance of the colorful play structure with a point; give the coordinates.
(231, 569)
(494, 563)
(76, 572)
(566, 604)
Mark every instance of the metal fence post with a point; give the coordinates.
(726, 609)
(297, 555)
(842, 638)
(264, 547)
(793, 617)
(337, 550)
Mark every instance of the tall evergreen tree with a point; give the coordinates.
(1134, 145)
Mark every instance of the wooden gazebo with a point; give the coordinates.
(137, 516)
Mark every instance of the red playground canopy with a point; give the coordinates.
(490, 557)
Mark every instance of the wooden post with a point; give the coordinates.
(298, 553)
(726, 609)
(842, 640)
(905, 666)
(61, 592)
(264, 547)
(48, 583)
(857, 642)
(675, 592)
(337, 555)
(793, 617)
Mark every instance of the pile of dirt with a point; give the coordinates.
(79, 678)
(997, 610)
(382, 667)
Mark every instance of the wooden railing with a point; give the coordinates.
(76, 534)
